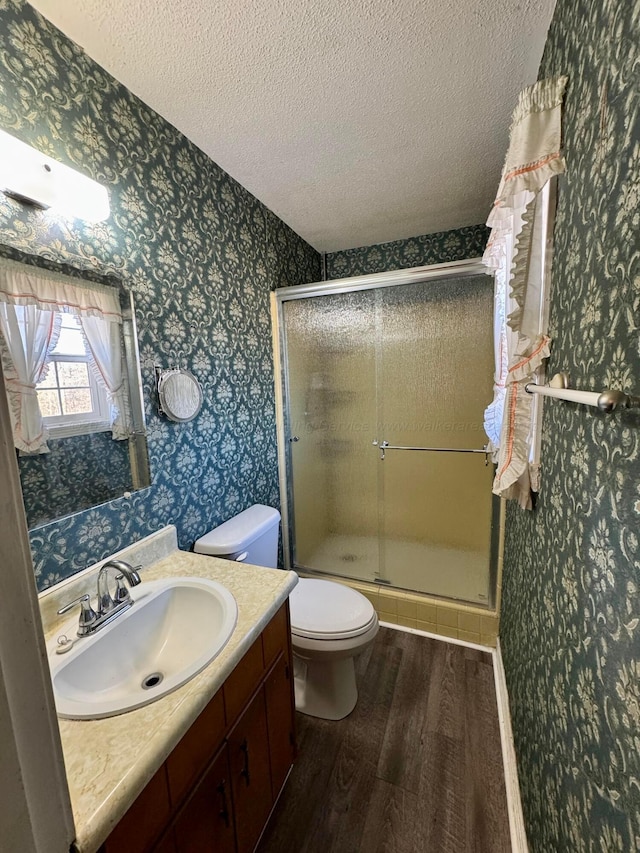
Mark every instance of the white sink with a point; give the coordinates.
(175, 627)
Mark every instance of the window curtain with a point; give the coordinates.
(103, 339)
(515, 253)
(29, 336)
(38, 298)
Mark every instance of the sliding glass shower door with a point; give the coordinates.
(331, 356)
(385, 395)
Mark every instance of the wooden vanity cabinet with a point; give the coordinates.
(207, 822)
(216, 790)
(251, 773)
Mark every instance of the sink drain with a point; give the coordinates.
(152, 680)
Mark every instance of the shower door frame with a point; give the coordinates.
(394, 278)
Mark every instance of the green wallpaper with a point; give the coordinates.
(456, 245)
(570, 621)
(78, 472)
(201, 255)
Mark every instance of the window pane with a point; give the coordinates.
(69, 321)
(70, 342)
(49, 379)
(49, 403)
(76, 401)
(73, 373)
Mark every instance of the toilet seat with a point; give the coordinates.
(325, 610)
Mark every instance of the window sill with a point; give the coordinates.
(81, 428)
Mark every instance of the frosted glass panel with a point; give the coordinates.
(435, 378)
(331, 352)
(410, 365)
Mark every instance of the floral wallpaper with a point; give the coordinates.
(570, 620)
(438, 248)
(78, 472)
(201, 255)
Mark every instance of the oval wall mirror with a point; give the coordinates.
(180, 395)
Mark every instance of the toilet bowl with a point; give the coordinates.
(330, 623)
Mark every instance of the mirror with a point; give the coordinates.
(85, 465)
(179, 394)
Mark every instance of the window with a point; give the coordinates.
(71, 400)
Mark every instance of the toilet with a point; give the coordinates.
(330, 622)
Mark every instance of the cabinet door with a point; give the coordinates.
(280, 722)
(243, 681)
(196, 750)
(205, 824)
(167, 844)
(250, 773)
(276, 636)
(141, 826)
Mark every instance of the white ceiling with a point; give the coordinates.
(356, 121)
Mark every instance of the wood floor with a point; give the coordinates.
(417, 766)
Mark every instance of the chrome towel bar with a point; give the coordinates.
(384, 445)
(607, 400)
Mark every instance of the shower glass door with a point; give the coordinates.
(434, 380)
(408, 367)
(330, 352)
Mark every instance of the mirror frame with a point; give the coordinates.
(138, 450)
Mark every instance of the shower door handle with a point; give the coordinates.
(384, 445)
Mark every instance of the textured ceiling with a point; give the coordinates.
(356, 121)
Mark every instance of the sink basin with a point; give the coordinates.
(175, 627)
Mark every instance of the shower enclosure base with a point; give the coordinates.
(440, 572)
(455, 619)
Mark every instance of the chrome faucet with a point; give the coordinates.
(107, 604)
(107, 607)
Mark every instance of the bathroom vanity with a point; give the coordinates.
(200, 768)
(216, 789)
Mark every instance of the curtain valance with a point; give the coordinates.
(32, 302)
(50, 291)
(516, 253)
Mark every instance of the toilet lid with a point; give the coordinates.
(324, 609)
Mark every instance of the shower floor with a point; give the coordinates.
(424, 568)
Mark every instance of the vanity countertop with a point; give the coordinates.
(110, 761)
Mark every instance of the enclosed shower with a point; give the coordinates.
(383, 382)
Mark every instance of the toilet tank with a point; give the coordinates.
(249, 537)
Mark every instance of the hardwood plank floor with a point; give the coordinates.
(416, 767)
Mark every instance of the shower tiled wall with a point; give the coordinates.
(436, 616)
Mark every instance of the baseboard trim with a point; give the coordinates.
(514, 803)
(442, 637)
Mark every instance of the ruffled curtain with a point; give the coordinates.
(24, 285)
(32, 301)
(103, 340)
(29, 336)
(515, 252)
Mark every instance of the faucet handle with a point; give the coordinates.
(87, 614)
(122, 593)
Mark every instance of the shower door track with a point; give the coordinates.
(394, 278)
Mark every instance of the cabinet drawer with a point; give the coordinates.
(275, 637)
(243, 681)
(195, 750)
(142, 825)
